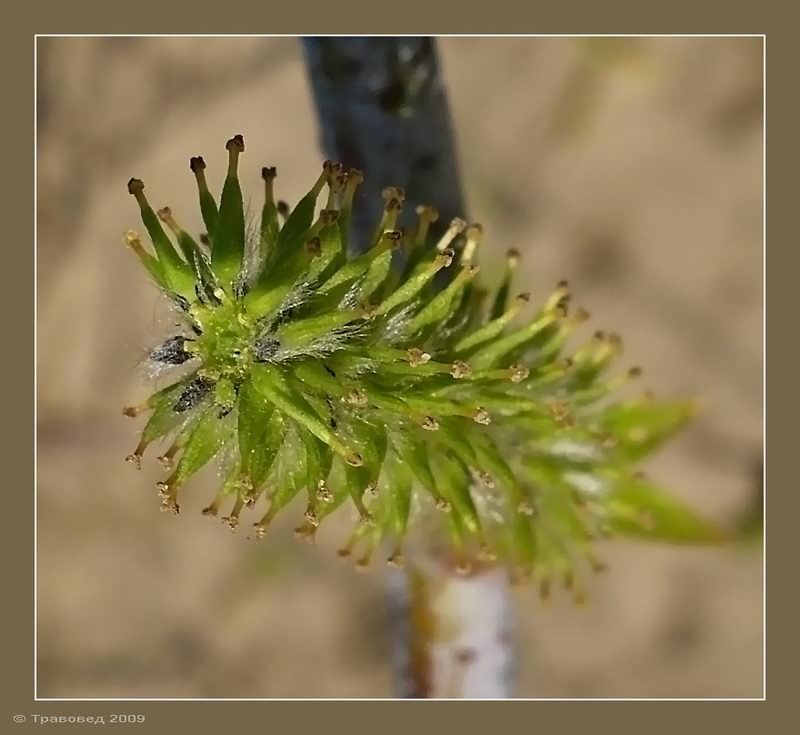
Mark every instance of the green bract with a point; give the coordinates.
(305, 368)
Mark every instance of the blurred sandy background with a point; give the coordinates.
(630, 166)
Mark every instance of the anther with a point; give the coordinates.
(512, 258)
(456, 227)
(372, 489)
(429, 423)
(460, 369)
(354, 459)
(481, 416)
(519, 373)
(486, 479)
(396, 560)
(526, 508)
(442, 505)
(324, 492)
(314, 246)
(445, 260)
(357, 397)
(417, 357)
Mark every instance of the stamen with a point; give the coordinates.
(474, 234)
(454, 230)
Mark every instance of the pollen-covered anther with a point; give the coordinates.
(260, 529)
(170, 505)
(372, 489)
(445, 260)
(460, 369)
(324, 492)
(526, 508)
(366, 519)
(135, 459)
(427, 212)
(429, 423)
(355, 176)
(311, 517)
(393, 192)
(165, 460)
(356, 397)
(518, 373)
(481, 416)
(231, 521)
(134, 241)
(442, 505)
(486, 479)
(132, 411)
(417, 357)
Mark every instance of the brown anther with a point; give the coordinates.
(344, 552)
(569, 580)
(596, 564)
(170, 505)
(165, 214)
(135, 186)
(196, 163)
(268, 173)
(329, 216)
(600, 335)
(523, 298)
(131, 411)
(314, 246)
(460, 369)
(261, 530)
(562, 285)
(306, 532)
(486, 479)
(615, 340)
(367, 520)
(210, 510)
(481, 416)
(395, 236)
(519, 373)
(236, 143)
(394, 205)
(443, 505)
(429, 423)
(362, 565)
(283, 208)
(635, 372)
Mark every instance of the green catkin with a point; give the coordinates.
(314, 369)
